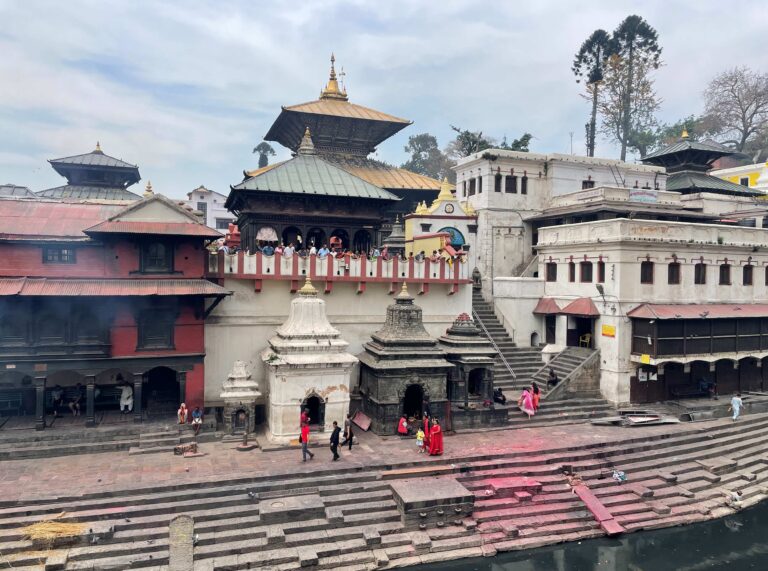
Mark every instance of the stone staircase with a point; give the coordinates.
(524, 361)
(354, 524)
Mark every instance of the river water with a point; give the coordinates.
(735, 543)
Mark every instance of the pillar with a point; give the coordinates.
(138, 381)
(90, 396)
(40, 403)
(181, 377)
(561, 330)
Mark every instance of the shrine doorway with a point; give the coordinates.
(475, 382)
(413, 400)
(316, 407)
(161, 392)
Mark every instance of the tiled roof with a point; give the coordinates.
(699, 310)
(95, 158)
(688, 145)
(17, 191)
(311, 174)
(88, 192)
(583, 307)
(338, 108)
(108, 287)
(693, 181)
(546, 306)
(51, 220)
(157, 228)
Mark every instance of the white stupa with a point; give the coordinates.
(308, 366)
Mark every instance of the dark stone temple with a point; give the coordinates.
(94, 175)
(306, 201)
(688, 164)
(401, 367)
(470, 383)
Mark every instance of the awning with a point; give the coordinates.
(156, 228)
(546, 306)
(582, 307)
(699, 311)
(266, 234)
(109, 288)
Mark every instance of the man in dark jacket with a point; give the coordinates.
(335, 440)
(347, 432)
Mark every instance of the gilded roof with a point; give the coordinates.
(340, 108)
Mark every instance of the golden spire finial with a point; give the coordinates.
(685, 133)
(404, 292)
(332, 90)
(306, 147)
(148, 192)
(307, 289)
(98, 148)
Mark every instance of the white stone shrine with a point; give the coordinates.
(307, 367)
(240, 393)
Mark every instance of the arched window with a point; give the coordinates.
(457, 238)
(746, 275)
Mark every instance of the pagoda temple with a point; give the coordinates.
(94, 175)
(688, 164)
(340, 135)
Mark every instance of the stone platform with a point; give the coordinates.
(432, 502)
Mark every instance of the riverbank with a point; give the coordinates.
(675, 475)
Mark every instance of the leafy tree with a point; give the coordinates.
(520, 144)
(467, 143)
(636, 45)
(427, 158)
(265, 151)
(639, 135)
(737, 106)
(589, 66)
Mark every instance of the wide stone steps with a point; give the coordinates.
(231, 535)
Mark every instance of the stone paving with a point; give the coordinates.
(247, 505)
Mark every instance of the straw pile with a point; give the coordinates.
(49, 531)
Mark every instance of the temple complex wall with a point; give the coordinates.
(241, 326)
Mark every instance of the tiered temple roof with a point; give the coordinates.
(94, 175)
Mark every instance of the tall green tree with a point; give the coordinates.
(520, 144)
(636, 44)
(589, 66)
(426, 157)
(265, 151)
(468, 142)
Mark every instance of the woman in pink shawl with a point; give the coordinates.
(525, 402)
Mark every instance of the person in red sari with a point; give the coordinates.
(402, 426)
(426, 432)
(435, 439)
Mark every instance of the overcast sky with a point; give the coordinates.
(187, 89)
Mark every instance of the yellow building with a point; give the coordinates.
(446, 224)
(753, 176)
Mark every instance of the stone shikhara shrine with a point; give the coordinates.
(240, 394)
(401, 367)
(307, 367)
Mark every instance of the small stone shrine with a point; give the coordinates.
(307, 367)
(401, 367)
(470, 383)
(240, 394)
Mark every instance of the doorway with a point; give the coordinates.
(161, 392)
(316, 407)
(413, 400)
(550, 329)
(475, 383)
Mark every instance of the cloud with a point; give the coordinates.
(187, 89)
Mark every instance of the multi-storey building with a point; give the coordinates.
(211, 206)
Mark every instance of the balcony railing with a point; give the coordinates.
(330, 269)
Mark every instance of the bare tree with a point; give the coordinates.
(588, 65)
(636, 43)
(737, 104)
(644, 102)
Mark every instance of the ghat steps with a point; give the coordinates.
(673, 478)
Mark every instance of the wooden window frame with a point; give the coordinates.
(748, 275)
(645, 280)
(550, 271)
(727, 275)
(677, 268)
(601, 272)
(59, 255)
(582, 267)
(572, 272)
(700, 276)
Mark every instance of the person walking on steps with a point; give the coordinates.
(304, 438)
(335, 440)
(736, 404)
(348, 432)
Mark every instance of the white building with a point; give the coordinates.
(211, 204)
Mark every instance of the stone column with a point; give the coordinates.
(90, 396)
(40, 403)
(561, 330)
(181, 377)
(138, 381)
